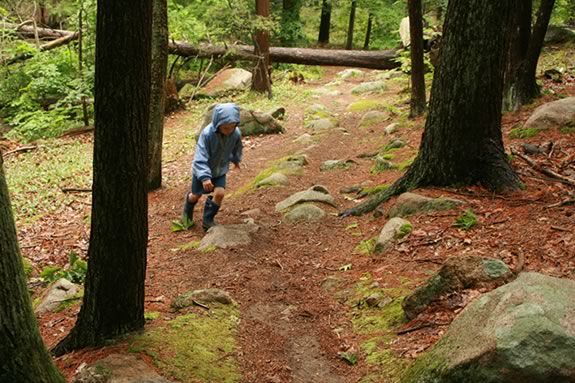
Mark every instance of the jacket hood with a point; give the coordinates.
(228, 113)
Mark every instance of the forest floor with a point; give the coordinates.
(300, 288)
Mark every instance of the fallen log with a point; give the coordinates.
(305, 56)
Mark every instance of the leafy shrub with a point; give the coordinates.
(74, 272)
(467, 220)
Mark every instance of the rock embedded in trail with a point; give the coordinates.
(556, 114)
(318, 118)
(373, 117)
(305, 139)
(411, 203)
(316, 193)
(292, 163)
(117, 368)
(305, 212)
(456, 274)
(521, 332)
(336, 164)
(350, 73)
(276, 179)
(369, 87)
(391, 128)
(205, 297)
(228, 236)
(394, 229)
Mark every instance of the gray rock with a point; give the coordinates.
(232, 79)
(556, 114)
(456, 274)
(382, 165)
(349, 73)
(336, 164)
(521, 332)
(373, 117)
(252, 122)
(305, 139)
(314, 194)
(558, 34)
(227, 236)
(305, 213)
(395, 144)
(411, 203)
(321, 124)
(205, 297)
(276, 179)
(60, 291)
(391, 128)
(394, 229)
(369, 87)
(116, 368)
(292, 162)
(326, 91)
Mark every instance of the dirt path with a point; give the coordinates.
(293, 324)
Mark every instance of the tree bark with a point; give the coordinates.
(350, 27)
(527, 88)
(518, 44)
(261, 77)
(325, 23)
(158, 92)
(368, 31)
(23, 356)
(417, 104)
(113, 302)
(462, 142)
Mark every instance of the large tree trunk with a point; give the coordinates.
(368, 31)
(518, 40)
(158, 92)
(462, 143)
(527, 88)
(23, 357)
(351, 25)
(325, 22)
(261, 79)
(114, 292)
(417, 67)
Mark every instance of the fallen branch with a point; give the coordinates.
(21, 149)
(75, 190)
(544, 169)
(570, 201)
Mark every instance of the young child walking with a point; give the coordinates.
(219, 144)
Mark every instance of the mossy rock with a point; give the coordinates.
(365, 105)
(520, 332)
(394, 229)
(370, 87)
(206, 297)
(382, 165)
(373, 117)
(411, 203)
(195, 347)
(336, 164)
(456, 274)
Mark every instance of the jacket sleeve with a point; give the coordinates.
(236, 156)
(201, 166)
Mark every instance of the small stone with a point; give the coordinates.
(373, 300)
(228, 236)
(391, 128)
(373, 117)
(394, 229)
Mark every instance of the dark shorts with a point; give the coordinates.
(198, 188)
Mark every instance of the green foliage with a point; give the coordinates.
(75, 271)
(366, 247)
(182, 224)
(405, 230)
(523, 132)
(28, 267)
(467, 220)
(350, 357)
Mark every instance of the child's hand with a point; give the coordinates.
(208, 185)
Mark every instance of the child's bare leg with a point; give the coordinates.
(193, 198)
(219, 195)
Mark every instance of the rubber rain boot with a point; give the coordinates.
(210, 210)
(188, 213)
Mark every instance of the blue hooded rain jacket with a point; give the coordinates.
(214, 151)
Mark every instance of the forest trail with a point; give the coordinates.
(301, 288)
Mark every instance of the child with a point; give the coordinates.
(218, 144)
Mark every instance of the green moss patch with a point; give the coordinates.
(523, 132)
(195, 347)
(365, 105)
(367, 246)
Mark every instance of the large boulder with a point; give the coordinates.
(252, 122)
(456, 274)
(117, 368)
(232, 79)
(521, 332)
(556, 114)
(411, 203)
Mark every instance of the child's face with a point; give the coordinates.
(227, 129)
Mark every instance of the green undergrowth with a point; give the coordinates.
(195, 347)
(366, 247)
(374, 189)
(35, 178)
(523, 132)
(467, 220)
(376, 324)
